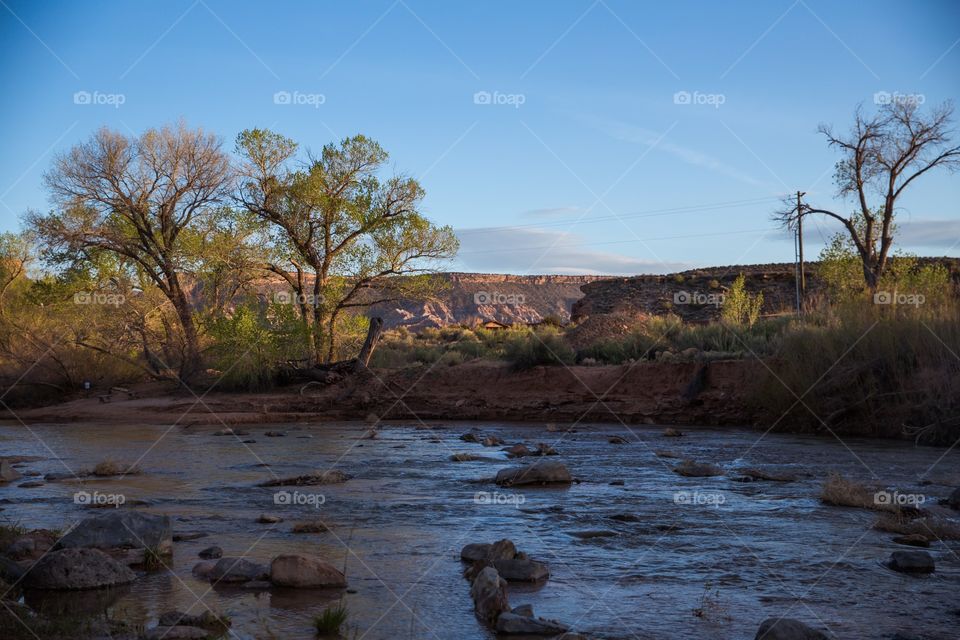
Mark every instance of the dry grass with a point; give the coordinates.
(931, 527)
(840, 492)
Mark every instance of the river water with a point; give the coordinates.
(696, 558)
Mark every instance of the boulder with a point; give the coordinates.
(301, 571)
(489, 593)
(521, 570)
(315, 478)
(7, 472)
(233, 570)
(787, 629)
(692, 469)
(204, 570)
(518, 451)
(911, 562)
(492, 441)
(540, 472)
(121, 530)
(512, 624)
(617, 440)
(499, 550)
(77, 569)
(670, 432)
(211, 553)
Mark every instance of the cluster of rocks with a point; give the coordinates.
(296, 571)
(493, 566)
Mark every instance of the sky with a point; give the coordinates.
(580, 136)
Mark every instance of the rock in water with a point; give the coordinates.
(304, 572)
(211, 553)
(77, 569)
(237, 570)
(512, 624)
(121, 530)
(489, 593)
(540, 472)
(316, 478)
(911, 562)
(787, 629)
(693, 469)
(7, 472)
(954, 500)
(522, 570)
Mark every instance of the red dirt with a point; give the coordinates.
(653, 393)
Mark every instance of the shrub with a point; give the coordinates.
(739, 307)
(545, 346)
(330, 621)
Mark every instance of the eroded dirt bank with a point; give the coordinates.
(660, 393)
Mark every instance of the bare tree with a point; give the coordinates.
(134, 197)
(880, 157)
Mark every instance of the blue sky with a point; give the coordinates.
(546, 133)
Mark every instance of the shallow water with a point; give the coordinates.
(738, 552)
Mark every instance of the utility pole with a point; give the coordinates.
(802, 280)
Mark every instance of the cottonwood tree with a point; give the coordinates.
(341, 234)
(881, 156)
(134, 196)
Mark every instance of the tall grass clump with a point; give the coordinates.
(543, 346)
(330, 621)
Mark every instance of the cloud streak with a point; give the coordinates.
(546, 251)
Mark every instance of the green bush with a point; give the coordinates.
(545, 346)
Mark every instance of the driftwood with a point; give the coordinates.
(335, 371)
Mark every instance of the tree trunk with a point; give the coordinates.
(373, 337)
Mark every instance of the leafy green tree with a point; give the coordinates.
(341, 234)
(739, 307)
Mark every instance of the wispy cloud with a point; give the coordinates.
(551, 212)
(631, 133)
(547, 251)
(929, 233)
